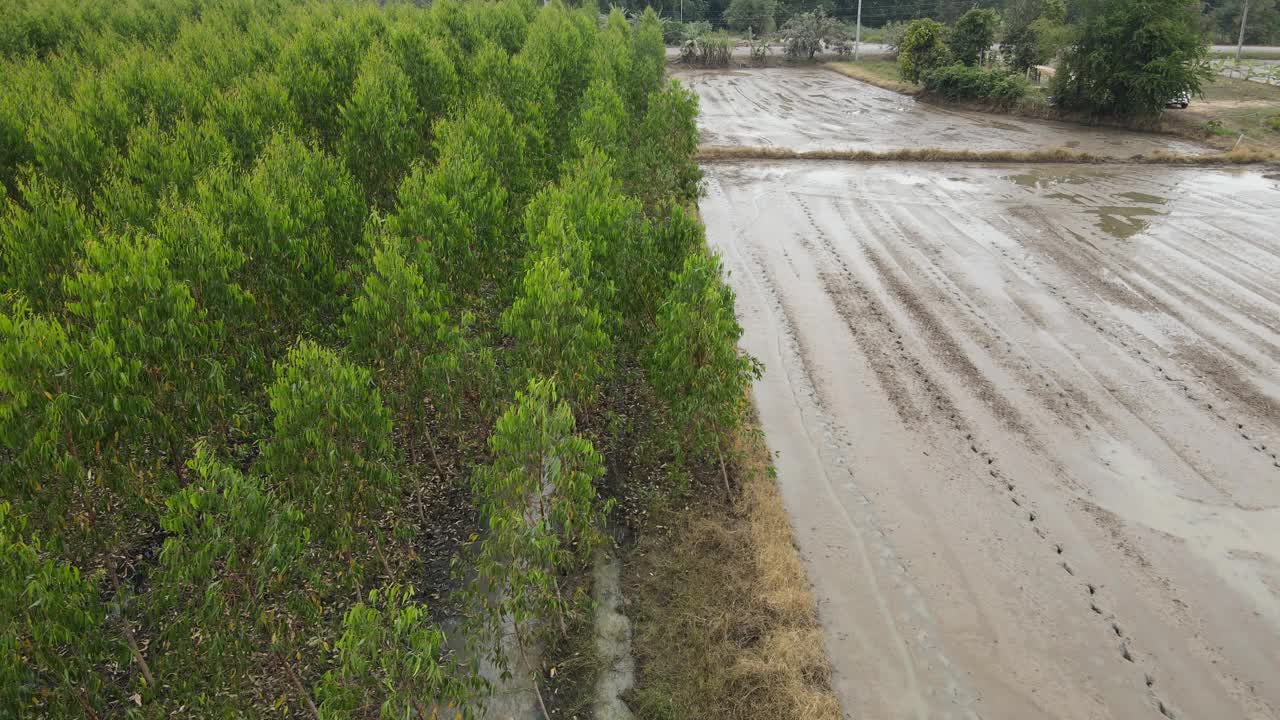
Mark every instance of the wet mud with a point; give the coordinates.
(1027, 423)
(815, 109)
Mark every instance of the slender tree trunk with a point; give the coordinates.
(564, 628)
(724, 473)
(431, 445)
(127, 631)
(533, 676)
(89, 712)
(137, 653)
(297, 685)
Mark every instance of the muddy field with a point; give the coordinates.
(817, 109)
(1027, 426)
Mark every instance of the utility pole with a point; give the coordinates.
(857, 34)
(1244, 18)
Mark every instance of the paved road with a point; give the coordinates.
(1027, 421)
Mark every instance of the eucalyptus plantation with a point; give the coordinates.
(317, 320)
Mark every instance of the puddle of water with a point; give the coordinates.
(1121, 221)
(1143, 198)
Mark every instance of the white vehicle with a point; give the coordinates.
(1181, 100)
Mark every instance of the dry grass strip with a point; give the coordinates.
(724, 620)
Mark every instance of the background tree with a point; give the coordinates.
(755, 15)
(1130, 57)
(806, 34)
(973, 34)
(924, 47)
(1035, 30)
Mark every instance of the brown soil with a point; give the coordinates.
(1027, 425)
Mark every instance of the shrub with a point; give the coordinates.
(924, 47)
(989, 85)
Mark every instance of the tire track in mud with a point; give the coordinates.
(1230, 385)
(846, 290)
(876, 543)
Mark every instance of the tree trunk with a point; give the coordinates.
(297, 685)
(724, 473)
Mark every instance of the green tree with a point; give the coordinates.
(381, 125)
(806, 34)
(250, 112)
(136, 309)
(51, 631)
(973, 34)
(557, 333)
(663, 150)
(161, 163)
(538, 500)
(391, 657)
(461, 212)
(330, 449)
(299, 215)
(398, 326)
(602, 122)
(695, 365)
(242, 588)
(649, 61)
(431, 74)
(1130, 57)
(924, 47)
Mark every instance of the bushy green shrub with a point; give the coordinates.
(988, 85)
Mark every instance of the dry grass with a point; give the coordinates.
(878, 72)
(724, 621)
(1244, 155)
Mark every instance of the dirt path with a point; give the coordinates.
(1027, 423)
(813, 109)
